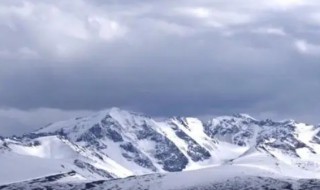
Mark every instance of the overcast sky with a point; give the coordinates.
(61, 59)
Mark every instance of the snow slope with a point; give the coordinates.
(213, 178)
(116, 144)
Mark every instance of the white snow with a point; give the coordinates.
(16, 167)
(54, 155)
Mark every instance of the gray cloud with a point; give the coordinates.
(165, 58)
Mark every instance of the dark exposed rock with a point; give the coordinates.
(132, 153)
(92, 169)
(166, 152)
(195, 151)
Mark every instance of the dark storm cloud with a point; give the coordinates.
(164, 58)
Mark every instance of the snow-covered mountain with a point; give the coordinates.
(115, 144)
(225, 177)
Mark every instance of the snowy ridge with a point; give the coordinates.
(215, 178)
(116, 144)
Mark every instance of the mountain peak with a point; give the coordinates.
(243, 115)
(119, 143)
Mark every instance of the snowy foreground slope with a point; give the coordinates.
(215, 178)
(116, 149)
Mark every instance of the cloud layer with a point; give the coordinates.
(161, 57)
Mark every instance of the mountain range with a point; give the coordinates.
(118, 149)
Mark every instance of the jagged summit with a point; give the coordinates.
(122, 115)
(243, 115)
(116, 143)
